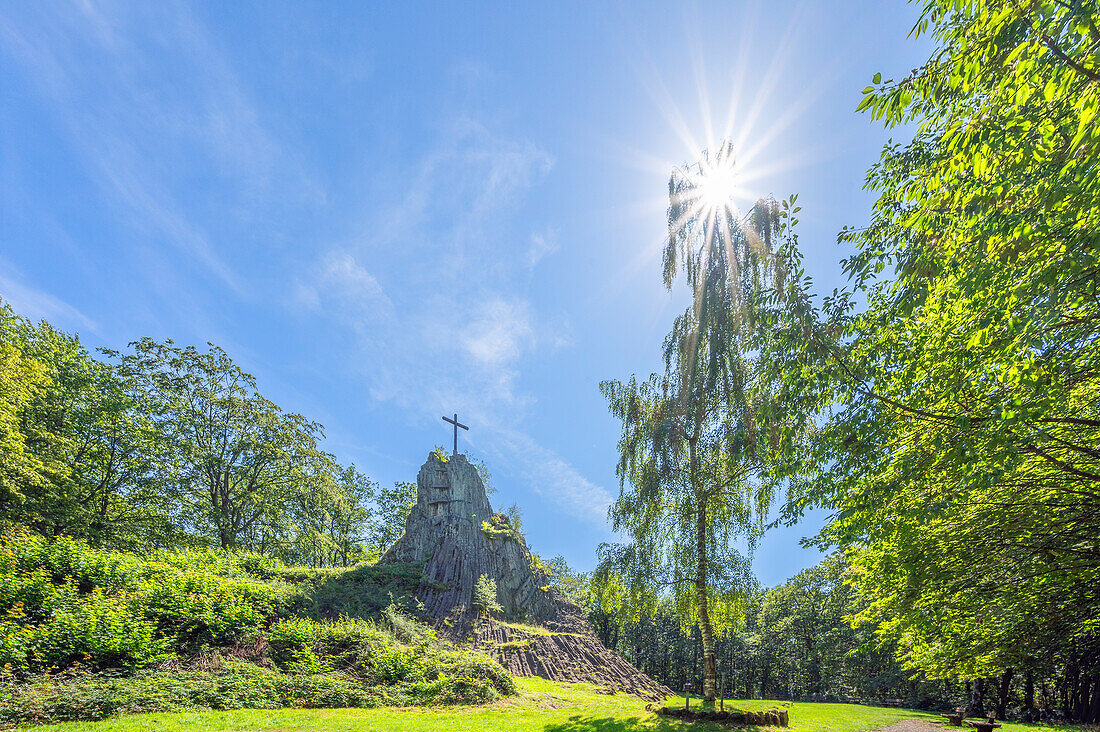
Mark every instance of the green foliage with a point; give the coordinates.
(698, 442)
(539, 568)
(424, 669)
(440, 679)
(392, 507)
(576, 586)
(67, 604)
(114, 630)
(21, 379)
(332, 518)
(363, 591)
(961, 400)
(499, 526)
(92, 454)
(240, 461)
(168, 446)
(483, 473)
(236, 685)
(485, 595)
(796, 643)
(515, 518)
(960, 454)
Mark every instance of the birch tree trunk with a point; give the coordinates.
(705, 629)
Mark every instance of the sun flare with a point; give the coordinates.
(715, 183)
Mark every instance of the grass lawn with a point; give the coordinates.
(543, 705)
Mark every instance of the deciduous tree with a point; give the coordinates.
(697, 441)
(961, 458)
(237, 458)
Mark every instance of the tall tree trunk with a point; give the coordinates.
(1082, 711)
(977, 700)
(1029, 690)
(1069, 691)
(1002, 692)
(705, 628)
(1094, 713)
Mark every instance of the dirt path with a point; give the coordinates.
(912, 725)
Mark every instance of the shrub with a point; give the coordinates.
(89, 696)
(107, 621)
(425, 670)
(62, 602)
(485, 595)
(363, 591)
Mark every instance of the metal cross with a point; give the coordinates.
(456, 424)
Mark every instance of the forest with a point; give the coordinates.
(944, 408)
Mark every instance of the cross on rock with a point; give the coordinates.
(456, 424)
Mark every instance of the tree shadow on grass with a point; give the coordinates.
(582, 723)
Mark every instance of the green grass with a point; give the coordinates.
(545, 706)
(535, 629)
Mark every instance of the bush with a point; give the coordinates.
(363, 591)
(123, 631)
(485, 595)
(424, 671)
(238, 685)
(62, 602)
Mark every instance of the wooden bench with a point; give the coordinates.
(983, 726)
(955, 720)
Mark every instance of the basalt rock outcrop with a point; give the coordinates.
(453, 531)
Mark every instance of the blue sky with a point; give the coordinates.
(392, 212)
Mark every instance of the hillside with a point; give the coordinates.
(87, 634)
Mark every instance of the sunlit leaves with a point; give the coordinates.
(961, 456)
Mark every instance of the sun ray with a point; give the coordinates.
(701, 89)
(768, 82)
(736, 163)
(748, 30)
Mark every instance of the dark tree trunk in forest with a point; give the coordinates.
(1094, 712)
(1069, 691)
(977, 699)
(1029, 690)
(1002, 692)
(1082, 707)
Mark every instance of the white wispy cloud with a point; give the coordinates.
(35, 305)
(499, 332)
(340, 282)
(542, 245)
(445, 326)
(143, 128)
(552, 477)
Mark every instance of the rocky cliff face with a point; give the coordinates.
(453, 531)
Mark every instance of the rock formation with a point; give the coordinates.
(454, 533)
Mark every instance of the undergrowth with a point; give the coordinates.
(86, 633)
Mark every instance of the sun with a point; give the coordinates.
(715, 182)
(717, 191)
